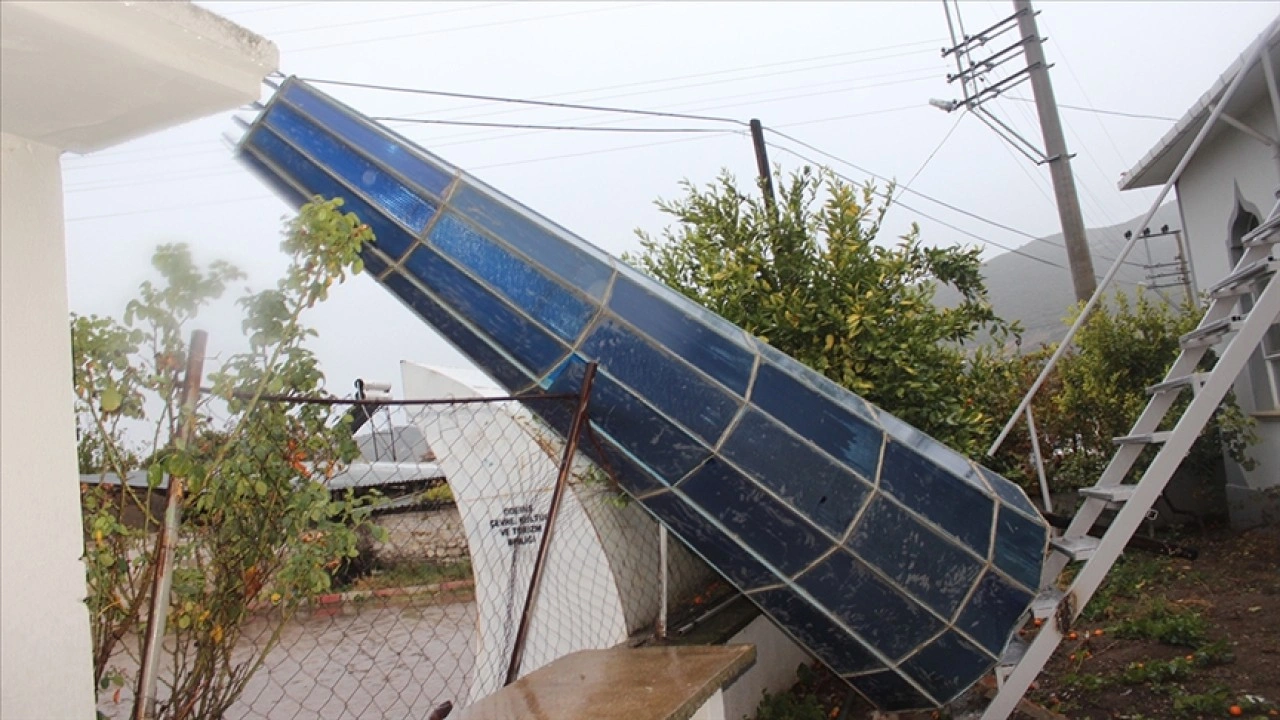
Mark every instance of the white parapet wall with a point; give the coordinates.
(502, 479)
(74, 77)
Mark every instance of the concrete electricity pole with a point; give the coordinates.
(1064, 183)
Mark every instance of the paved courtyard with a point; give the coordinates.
(373, 662)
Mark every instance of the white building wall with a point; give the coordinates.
(1235, 163)
(45, 655)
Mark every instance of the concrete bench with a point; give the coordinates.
(648, 683)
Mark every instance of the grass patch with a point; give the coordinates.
(1132, 578)
(1165, 622)
(1212, 702)
(415, 574)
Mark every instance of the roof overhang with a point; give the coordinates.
(1157, 166)
(82, 76)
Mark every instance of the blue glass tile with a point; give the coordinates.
(817, 381)
(826, 493)
(571, 265)
(358, 172)
(962, 510)
(927, 564)
(529, 344)
(514, 292)
(992, 614)
(947, 666)
(889, 621)
(1020, 545)
(621, 465)
(1010, 492)
(291, 195)
(728, 362)
(941, 455)
(373, 264)
(817, 632)
(541, 298)
(835, 429)
(632, 423)
(433, 175)
(725, 554)
(492, 362)
(768, 527)
(889, 691)
(670, 385)
(388, 236)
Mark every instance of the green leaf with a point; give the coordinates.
(111, 399)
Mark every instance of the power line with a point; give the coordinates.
(466, 8)
(529, 126)
(1117, 113)
(931, 199)
(701, 104)
(721, 133)
(850, 116)
(93, 186)
(929, 159)
(524, 101)
(962, 231)
(882, 178)
(421, 33)
(272, 8)
(690, 86)
(943, 203)
(813, 58)
(151, 211)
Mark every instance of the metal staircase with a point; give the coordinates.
(1240, 333)
(1235, 329)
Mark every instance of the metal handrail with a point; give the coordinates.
(1250, 56)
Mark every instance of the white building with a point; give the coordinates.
(1229, 186)
(74, 77)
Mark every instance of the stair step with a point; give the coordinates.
(1114, 495)
(1210, 334)
(1076, 548)
(1194, 381)
(1046, 603)
(1151, 438)
(1266, 233)
(1239, 282)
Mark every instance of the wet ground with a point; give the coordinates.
(372, 661)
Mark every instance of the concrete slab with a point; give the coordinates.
(651, 683)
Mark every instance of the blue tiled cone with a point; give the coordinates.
(899, 563)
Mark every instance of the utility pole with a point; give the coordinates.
(1064, 183)
(762, 164)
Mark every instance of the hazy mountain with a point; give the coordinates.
(1039, 295)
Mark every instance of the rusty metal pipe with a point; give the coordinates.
(167, 542)
(562, 481)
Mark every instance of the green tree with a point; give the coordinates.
(261, 531)
(1098, 390)
(815, 281)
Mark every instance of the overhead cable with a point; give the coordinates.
(525, 101)
(921, 213)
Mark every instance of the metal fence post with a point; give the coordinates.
(562, 481)
(167, 540)
(660, 627)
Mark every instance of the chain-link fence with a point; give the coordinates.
(452, 501)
